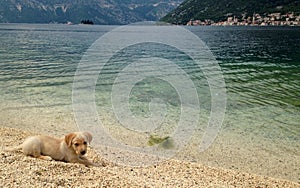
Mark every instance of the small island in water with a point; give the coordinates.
(87, 22)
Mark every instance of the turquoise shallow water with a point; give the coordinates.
(260, 65)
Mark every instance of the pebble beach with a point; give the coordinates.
(18, 170)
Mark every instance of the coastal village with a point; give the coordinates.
(273, 19)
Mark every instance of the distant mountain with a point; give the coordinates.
(98, 11)
(219, 10)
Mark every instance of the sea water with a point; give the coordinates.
(260, 65)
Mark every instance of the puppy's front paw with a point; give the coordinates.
(47, 158)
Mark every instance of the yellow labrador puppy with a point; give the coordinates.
(70, 148)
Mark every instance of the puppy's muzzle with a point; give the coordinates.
(83, 152)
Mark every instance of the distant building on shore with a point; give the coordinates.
(273, 19)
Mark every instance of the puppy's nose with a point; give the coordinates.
(83, 152)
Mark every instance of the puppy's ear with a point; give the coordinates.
(88, 136)
(69, 137)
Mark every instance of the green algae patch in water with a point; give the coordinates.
(165, 142)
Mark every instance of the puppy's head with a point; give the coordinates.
(78, 141)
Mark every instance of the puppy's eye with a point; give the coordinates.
(76, 144)
(84, 143)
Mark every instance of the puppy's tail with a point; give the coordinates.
(13, 148)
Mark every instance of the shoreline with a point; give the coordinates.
(18, 169)
(240, 146)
